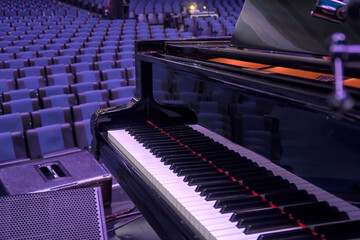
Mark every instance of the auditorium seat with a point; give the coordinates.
(31, 82)
(106, 64)
(16, 63)
(6, 85)
(64, 59)
(88, 76)
(49, 141)
(50, 116)
(86, 58)
(8, 74)
(32, 71)
(85, 111)
(93, 96)
(21, 105)
(12, 147)
(83, 87)
(19, 94)
(122, 92)
(63, 100)
(53, 90)
(15, 122)
(83, 133)
(82, 66)
(57, 69)
(41, 61)
(60, 79)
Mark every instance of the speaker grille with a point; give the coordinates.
(69, 214)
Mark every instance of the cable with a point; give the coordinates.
(116, 215)
(123, 216)
(125, 223)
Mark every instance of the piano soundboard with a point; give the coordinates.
(224, 191)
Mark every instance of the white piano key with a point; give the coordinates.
(201, 214)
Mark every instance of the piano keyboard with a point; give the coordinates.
(230, 192)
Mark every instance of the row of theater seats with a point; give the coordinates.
(56, 130)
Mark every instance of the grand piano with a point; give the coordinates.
(250, 137)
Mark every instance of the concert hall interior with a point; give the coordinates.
(179, 119)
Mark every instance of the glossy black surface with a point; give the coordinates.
(289, 26)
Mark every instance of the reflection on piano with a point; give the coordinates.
(294, 174)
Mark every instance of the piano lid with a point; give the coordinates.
(293, 26)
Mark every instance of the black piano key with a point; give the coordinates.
(275, 225)
(300, 234)
(250, 199)
(227, 194)
(176, 167)
(340, 231)
(326, 217)
(261, 220)
(216, 189)
(179, 156)
(202, 187)
(238, 216)
(201, 180)
(307, 208)
(190, 176)
(229, 208)
(267, 189)
(181, 159)
(183, 172)
(290, 197)
(173, 151)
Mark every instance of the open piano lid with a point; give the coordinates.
(293, 26)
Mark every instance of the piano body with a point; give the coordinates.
(230, 143)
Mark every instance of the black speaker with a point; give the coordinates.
(65, 214)
(73, 170)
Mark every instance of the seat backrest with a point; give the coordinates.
(49, 139)
(86, 110)
(14, 122)
(49, 116)
(12, 146)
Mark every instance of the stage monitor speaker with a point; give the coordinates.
(65, 214)
(73, 170)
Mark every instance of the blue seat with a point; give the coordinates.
(82, 133)
(115, 73)
(88, 76)
(93, 96)
(31, 82)
(32, 71)
(63, 100)
(48, 53)
(53, 90)
(89, 50)
(50, 140)
(102, 65)
(34, 47)
(13, 49)
(69, 52)
(74, 45)
(64, 59)
(6, 56)
(26, 55)
(82, 66)
(57, 69)
(131, 75)
(106, 57)
(12, 147)
(113, 83)
(8, 74)
(18, 94)
(125, 63)
(86, 110)
(16, 63)
(41, 61)
(21, 105)
(6, 85)
(83, 87)
(125, 55)
(50, 116)
(127, 92)
(14, 122)
(86, 58)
